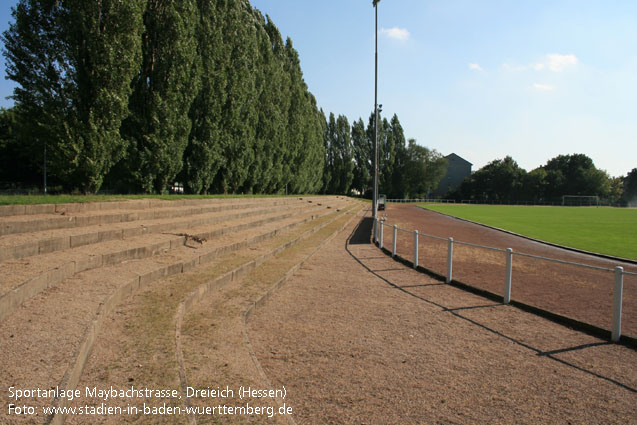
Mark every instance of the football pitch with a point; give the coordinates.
(611, 231)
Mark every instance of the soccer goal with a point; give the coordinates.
(580, 201)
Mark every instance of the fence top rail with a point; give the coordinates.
(479, 246)
(522, 254)
(555, 260)
(431, 236)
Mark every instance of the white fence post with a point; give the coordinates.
(450, 261)
(415, 249)
(380, 244)
(507, 282)
(617, 304)
(393, 248)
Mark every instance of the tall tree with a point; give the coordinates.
(73, 61)
(399, 186)
(270, 129)
(164, 89)
(328, 161)
(575, 175)
(331, 160)
(239, 118)
(534, 186)
(630, 188)
(386, 151)
(203, 156)
(424, 168)
(295, 141)
(386, 157)
(343, 155)
(500, 180)
(362, 157)
(308, 177)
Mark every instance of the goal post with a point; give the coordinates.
(580, 200)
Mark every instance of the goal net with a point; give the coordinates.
(580, 201)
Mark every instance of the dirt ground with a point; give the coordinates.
(354, 337)
(40, 340)
(357, 338)
(576, 292)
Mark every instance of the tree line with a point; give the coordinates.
(405, 169)
(137, 94)
(504, 181)
(133, 96)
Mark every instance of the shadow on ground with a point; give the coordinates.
(363, 233)
(359, 234)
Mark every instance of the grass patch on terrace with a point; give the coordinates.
(611, 231)
(70, 199)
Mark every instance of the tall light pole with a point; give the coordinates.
(375, 201)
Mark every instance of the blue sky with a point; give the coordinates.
(483, 79)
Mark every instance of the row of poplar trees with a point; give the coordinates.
(405, 169)
(137, 94)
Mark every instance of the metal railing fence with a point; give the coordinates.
(618, 272)
(601, 203)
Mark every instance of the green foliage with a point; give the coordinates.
(164, 88)
(73, 62)
(308, 174)
(630, 188)
(341, 155)
(363, 157)
(239, 113)
(19, 162)
(273, 108)
(203, 156)
(397, 182)
(498, 181)
(424, 168)
(604, 230)
(503, 181)
(136, 95)
(575, 175)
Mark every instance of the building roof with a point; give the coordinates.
(454, 157)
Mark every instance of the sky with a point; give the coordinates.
(480, 78)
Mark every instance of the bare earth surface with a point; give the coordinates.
(357, 338)
(40, 340)
(576, 292)
(352, 337)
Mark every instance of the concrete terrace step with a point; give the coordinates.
(227, 268)
(50, 331)
(127, 204)
(29, 278)
(33, 243)
(16, 224)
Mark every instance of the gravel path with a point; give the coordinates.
(357, 338)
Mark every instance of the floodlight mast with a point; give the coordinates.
(375, 200)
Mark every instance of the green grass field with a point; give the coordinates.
(611, 231)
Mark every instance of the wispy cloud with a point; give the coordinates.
(557, 63)
(553, 62)
(543, 87)
(396, 33)
(475, 67)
